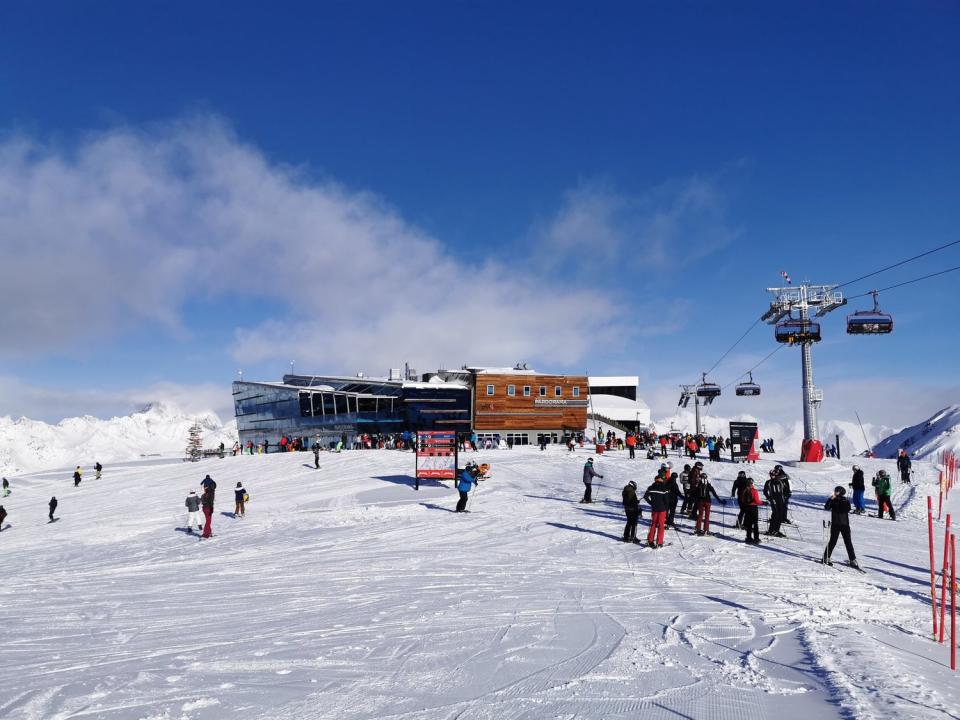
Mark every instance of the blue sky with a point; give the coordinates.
(189, 190)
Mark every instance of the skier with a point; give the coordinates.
(685, 485)
(675, 494)
(3, 516)
(704, 491)
(903, 465)
(208, 484)
(858, 486)
(750, 501)
(738, 485)
(77, 476)
(192, 504)
(773, 491)
(631, 508)
(695, 474)
(588, 475)
(785, 481)
(839, 508)
(206, 502)
(99, 468)
(658, 496)
(881, 484)
(316, 455)
(6, 487)
(240, 497)
(467, 481)
(53, 507)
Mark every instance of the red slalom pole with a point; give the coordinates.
(953, 603)
(933, 572)
(946, 568)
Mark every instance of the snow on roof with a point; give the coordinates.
(614, 380)
(502, 371)
(619, 408)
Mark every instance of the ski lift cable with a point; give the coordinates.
(898, 264)
(730, 349)
(906, 282)
(769, 355)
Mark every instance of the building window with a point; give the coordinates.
(526, 393)
(489, 389)
(511, 390)
(543, 391)
(576, 391)
(557, 391)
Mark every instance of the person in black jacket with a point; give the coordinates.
(3, 516)
(658, 495)
(785, 482)
(858, 485)
(903, 465)
(773, 491)
(839, 508)
(704, 491)
(675, 494)
(77, 476)
(631, 507)
(738, 485)
(240, 499)
(53, 507)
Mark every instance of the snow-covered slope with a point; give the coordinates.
(345, 594)
(787, 438)
(29, 445)
(939, 432)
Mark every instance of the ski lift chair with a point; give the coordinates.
(870, 322)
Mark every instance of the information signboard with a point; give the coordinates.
(743, 442)
(436, 455)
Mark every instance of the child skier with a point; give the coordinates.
(240, 497)
(192, 504)
(839, 508)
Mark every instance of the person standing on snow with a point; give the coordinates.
(632, 445)
(467, 481)
(858, 486)
(3, 516)
(53, 507)
(685, 486)
(750, 502)
(903, 465)
(206, 502)
(99, 468)
(839, 508)
(77, 476)
(773, 491)
(240, 498)
(693, 493)
(881, 484)
(192, 503)
(316, 456)
(785, 482)
(658, 496)
(588, 475)
(675, 494)
(631, 508)
(738, 485)
(6, 487)
(208, 483)
(704, 491)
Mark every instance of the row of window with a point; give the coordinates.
(512, 390)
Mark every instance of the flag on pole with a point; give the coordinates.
(783, 274)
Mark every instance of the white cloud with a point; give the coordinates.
(122, 230)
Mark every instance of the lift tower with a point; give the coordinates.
(790, 313)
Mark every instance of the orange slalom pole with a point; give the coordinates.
(946, 568)
(933, 572)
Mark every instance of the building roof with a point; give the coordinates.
(619, 408)
(614, 380)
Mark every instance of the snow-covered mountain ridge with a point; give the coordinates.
(941, 431)
(30, 445)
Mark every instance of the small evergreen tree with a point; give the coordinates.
(195, 443)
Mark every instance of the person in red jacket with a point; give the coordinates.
(750, 501)
(632, 445)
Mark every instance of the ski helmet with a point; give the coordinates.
(589, 461)
(742, 473)
(856, 467)
(839, 490)
(632, 484)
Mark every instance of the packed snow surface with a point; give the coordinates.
(347, 594)
(158, 429)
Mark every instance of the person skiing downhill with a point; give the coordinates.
(192, 503)
(704, 491)
(750, 501)
(839, 508)
(588, 475)
(240, 498)
(658, 496)
(53, 508)
(881, 484)
(631, 508)
(77, 476)
(858, 486)
(738, 485)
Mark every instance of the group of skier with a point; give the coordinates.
(204, 503)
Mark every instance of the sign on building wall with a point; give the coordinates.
(743, 442)
(436, 455)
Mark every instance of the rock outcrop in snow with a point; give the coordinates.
(30, 445)
(941, 431)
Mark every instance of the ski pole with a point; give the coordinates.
(679, 537)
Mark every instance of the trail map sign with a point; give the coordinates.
(436, 455)
(743, 442)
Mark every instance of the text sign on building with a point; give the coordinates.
(743, 441)
(436, 455)
(564, 403)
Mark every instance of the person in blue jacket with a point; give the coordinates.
(467, 481)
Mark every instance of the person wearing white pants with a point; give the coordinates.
(193, 511)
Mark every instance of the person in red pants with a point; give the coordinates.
(658, 496)
(704, 490)
(206, 503)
